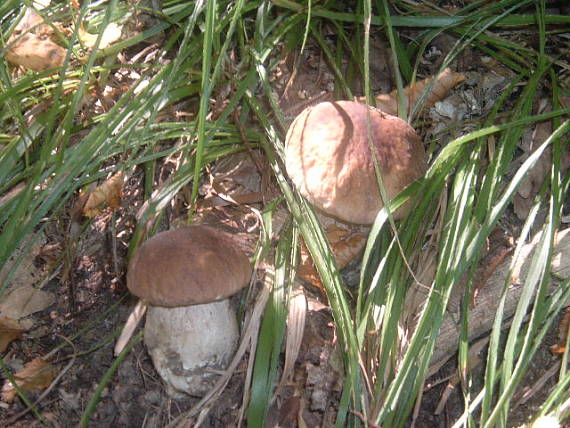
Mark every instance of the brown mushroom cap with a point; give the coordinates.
(328, 158)
(188, 266)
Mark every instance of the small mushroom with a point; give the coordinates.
(329, 159)
(186, 276)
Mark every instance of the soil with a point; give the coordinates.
(92, 302)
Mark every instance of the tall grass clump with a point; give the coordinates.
(225, 51)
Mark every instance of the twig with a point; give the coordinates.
(363, 419)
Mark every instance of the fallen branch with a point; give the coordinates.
(482, 315)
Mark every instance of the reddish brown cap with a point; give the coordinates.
(328, 158)
(188, 266)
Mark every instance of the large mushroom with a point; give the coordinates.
(186, 277)
(328, 157)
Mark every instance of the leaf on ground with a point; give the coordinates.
(560, 347)
(346, 244)
(444, 82)
(529, 188)
(28, 272)
(561, 256)
(108, 194)
(24, 301)
(9, 330)
(30, 45)
(111, 34)
(36, 375)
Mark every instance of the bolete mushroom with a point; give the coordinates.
(186, 276)
(329, 158)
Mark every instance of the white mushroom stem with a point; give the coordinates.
(190, 344)
(133, 320)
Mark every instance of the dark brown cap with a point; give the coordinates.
(329, 160)
(188, 266)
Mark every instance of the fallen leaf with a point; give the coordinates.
(561, 257)
(346, 245)
(107, 194)
(444, 82)
(36, 375)
(111, 34)
(28, 272)
(30, 45)
(24, 301)
(530, 186)
(40, 4)
(9, 330)
(560, 347)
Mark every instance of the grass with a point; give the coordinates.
(208, 46)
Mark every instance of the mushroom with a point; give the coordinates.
(187, 276)
(329, 158)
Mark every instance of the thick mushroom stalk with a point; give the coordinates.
(187, 276)
(189, 344)
(328, 156)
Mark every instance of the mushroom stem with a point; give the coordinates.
(189, 345)
(133, 320)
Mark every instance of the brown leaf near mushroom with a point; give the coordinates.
(186, 276)
(9, 330)
(31, 47)
(108, 194)
(36, 375)
(110, 35)
(346, 245)
(444, 82)
(530, 186)
(560, 347)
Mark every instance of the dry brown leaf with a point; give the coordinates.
(30, 45)
(111, 34)
(24, 301)
(34, 53)
(36, 375)
(107, 194)
(560, 347)
(9, 330)
(345, 244)
(529, 188)
(446, 80)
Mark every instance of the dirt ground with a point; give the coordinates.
(92, 303)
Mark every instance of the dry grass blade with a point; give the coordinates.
(295, 328)
(134, 319)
